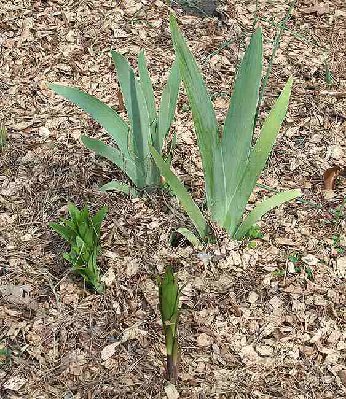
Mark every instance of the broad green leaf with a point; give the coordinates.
(182, 194)
(65, 232)
(126, 76)
(188, 234)
(74, 213)
(264, 207)
(138, 116)
(257, 160)
(98, 219)
(119, 186)
(239, 123)
(202, 109)
(112, 154)
(102, 113)
(167, 106)
(147, 87)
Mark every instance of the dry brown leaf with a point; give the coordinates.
(121, 101)
(318, 8)
(14, 383)
(203, 340)
(342, 376)
(330, 176)
(17, 295)
(171, 391)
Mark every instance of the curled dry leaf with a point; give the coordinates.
(330, 176)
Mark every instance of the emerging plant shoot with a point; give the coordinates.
(169, 308)
(82, 232)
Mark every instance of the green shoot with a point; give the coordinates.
(4, 353)
(254, 232)
(82, 232)
(3, 137)
(169, 309)
(337, 244)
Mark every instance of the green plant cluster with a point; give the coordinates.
(147, 125)
(82, 232)
(231, 164)
(232, 160)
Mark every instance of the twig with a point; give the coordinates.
(222, 46)
(295, 34)
(337, 94)
(276, 45)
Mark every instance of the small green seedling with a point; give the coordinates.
(279, 273)
(169, 308)
(82, 232)
(340, 249)
(296, 260)
(254, 232)
(328, 76)
(4, 353)
(3, 137)
(309, 274)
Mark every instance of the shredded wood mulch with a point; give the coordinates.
(264, 318)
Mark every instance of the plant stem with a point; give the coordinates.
(276, 45)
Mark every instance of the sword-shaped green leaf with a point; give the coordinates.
(138, 115)
(112, 154)
(101, 112)
(147, 87)
(202, 111)
(167, 106)
(262, 208)
(119, 186)
(239, 123)
(257, 160)
(182, 194)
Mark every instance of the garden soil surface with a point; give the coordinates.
(263, 318)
